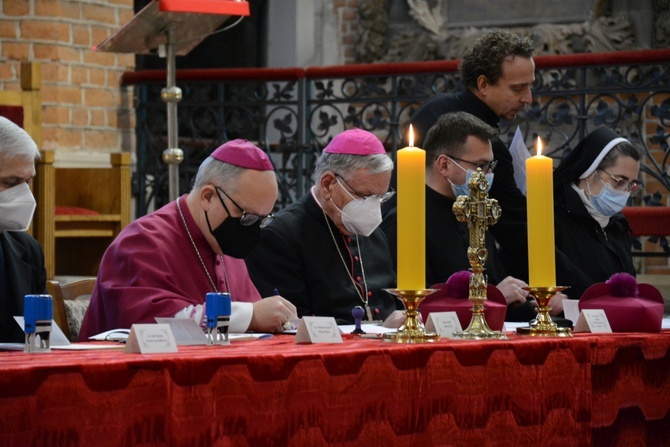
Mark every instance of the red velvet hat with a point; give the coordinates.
(629, 306)
(355, 142)
(243, 154)
(452, 296)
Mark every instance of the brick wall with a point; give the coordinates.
(346, 12)
(84, 108)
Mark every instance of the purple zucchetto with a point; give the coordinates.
(243, 154)
(355, 142)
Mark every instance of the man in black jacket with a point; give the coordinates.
(497, 74)
(456, 146)
(21, 259)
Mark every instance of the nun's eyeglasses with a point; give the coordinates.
(623, 184)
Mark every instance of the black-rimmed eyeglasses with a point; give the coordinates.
(623, 184)
(247, 218)
(382, 197)
(485, 167)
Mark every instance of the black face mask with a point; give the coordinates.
(235, 239)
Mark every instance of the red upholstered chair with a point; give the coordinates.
(82, 211)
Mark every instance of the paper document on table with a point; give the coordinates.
(367, 328)
(665, 324)
(519, 153)
(58, 340)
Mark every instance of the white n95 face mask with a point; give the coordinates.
(17, 206)
(361, 216)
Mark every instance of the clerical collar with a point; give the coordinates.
(311, 191)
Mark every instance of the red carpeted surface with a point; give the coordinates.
(588, 390)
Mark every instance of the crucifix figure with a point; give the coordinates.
(479, 211)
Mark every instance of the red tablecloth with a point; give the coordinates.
(589, 390)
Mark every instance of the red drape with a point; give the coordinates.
(588, 390)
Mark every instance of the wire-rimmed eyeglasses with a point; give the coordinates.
(382, 197)
(623, 184)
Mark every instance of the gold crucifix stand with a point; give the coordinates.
(479, 212)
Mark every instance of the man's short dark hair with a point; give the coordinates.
(487, 54)
(449, 134)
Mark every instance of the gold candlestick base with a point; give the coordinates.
(543, 325)
(412, 330)
(478, 329)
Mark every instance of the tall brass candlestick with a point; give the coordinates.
(479, 212)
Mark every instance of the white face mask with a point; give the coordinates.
(17, 206)
(361, 216)
(610, 201)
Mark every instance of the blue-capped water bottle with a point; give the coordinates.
(217, 310)
(37, 315)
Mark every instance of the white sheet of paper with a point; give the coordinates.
(512, 326)
(571, 310)
(594, 321)
(150, 339)
(89, 347)
(519, 153)
(444, 323)
(185, 330)
(367, 328)
(665, 324)
(318, 330)
(57, 337)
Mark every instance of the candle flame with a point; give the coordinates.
(411, 136)
(539, 146)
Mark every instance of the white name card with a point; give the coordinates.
(318, 330)
(444, 323)
(150, 339)
(594, 321)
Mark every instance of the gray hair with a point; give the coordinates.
(346, 164)
(218, 173)
(15, 142)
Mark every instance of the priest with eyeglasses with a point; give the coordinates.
(325, 253)
(164, 264)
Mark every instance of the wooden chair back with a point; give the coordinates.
(69, 291)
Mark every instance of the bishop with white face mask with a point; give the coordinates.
(325, 253)
(22, 269)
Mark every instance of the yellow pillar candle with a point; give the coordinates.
(540, 209)
(411, 217)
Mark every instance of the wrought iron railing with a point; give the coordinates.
(293, 113)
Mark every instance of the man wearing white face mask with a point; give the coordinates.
(325, 253)
(22, 269)
(591, 187)
(456, 146)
